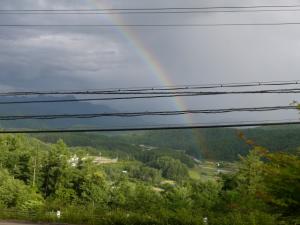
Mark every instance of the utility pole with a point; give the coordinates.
(34, 168)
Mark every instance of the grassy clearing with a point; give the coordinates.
(208, 170)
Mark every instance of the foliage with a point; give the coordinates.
(209, 144)
(171, 168)
(282, 176)
(37, 179)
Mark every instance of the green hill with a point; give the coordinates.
(212, 144)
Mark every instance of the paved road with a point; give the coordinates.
(15, 223)
(25, 223)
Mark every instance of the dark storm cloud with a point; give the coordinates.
(88, 56)
(96, 58)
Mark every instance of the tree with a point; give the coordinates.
(245, 190)
(250, 175)
(205, 195)
(54, 168)
(171, 168)
(179, 198)
(15, 194)
(282, 178)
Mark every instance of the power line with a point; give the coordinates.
(161, 127)
(146, 12)
(187, 25)
(197, 93)
(133, 90)
(152, 9)
(150, 113)
(171, 10)
(153, 95)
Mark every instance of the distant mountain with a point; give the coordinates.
(215, 144)
(60, 108)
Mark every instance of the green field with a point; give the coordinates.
(210, 171)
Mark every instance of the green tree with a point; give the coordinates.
(54, 168)
(171, 168)
(178, 198)
(245, 191)
(282, 178)
(205, 195)
(15, 194)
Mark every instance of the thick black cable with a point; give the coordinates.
(273, 91)
(153, 8)
(187, 25)
(133, 90)
(161, 127)
(153, 95)
(150, 113)
(147, 12)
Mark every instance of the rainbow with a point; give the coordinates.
(147, 55)
(156, 68)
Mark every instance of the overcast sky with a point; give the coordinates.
(84, 58)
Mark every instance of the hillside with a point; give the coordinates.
(212, 144)
(223, 144)
(153, 186)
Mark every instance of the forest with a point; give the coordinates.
(141, 184)
(210, 144)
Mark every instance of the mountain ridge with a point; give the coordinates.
(59, 108)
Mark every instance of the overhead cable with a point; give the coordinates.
(160, 127)
(147, 113)
(146, 12)
(133, 90)
(153, 8)
(152, 95)
(174, 25)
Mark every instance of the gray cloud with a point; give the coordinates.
(56, 58)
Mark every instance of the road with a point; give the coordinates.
(16, 223)
(23, 223)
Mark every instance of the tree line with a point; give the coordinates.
(209, 144)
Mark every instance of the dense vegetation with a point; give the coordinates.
(147, 187)
(211, 144)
